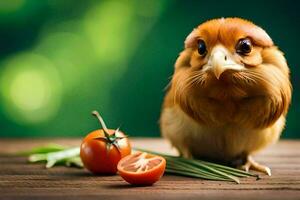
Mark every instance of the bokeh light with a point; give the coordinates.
(71, 53)
(30, 89)
(107, 26)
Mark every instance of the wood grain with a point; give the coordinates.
(21, 180)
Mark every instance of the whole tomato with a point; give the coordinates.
(102, 149)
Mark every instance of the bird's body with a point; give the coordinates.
(225, 143)
(226, 102)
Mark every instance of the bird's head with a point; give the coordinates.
(230, 58)
(223, 45)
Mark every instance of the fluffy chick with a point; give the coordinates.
(229, 94)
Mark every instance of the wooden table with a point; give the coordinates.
(20, 180)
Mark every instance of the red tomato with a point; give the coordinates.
(141, 168)
(101, 150)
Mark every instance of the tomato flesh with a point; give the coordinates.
(142, 168)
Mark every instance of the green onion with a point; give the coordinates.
(192, 174)
(43, 149)
(74, 161)
(66, 156)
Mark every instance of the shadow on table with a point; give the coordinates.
(125, 186)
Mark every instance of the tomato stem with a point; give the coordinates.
(98, 116)
(100, 119)
(111, 139)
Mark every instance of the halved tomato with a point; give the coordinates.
(141, 168)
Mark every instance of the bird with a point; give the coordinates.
(229, 94)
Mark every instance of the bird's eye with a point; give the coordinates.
(243, 46)
(201, 47)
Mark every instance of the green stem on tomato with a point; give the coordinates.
(100, 119)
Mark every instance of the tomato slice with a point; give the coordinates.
(141, 168)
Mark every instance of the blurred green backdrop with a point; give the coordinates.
(62, 59)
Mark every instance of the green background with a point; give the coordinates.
(59, 60)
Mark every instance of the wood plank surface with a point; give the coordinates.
(21, 180)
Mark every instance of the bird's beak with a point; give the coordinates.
(221, 60)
